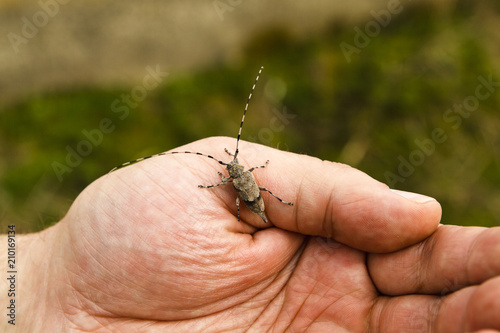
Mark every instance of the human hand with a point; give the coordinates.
(143, 249)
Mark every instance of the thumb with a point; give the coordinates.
(336, 201)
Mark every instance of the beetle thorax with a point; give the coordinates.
(235, 170)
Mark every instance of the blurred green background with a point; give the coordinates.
(366, 96)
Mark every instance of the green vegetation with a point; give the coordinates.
(368, 113)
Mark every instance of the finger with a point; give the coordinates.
(484, 307)
(452, 258)
(337, 201)
(467, 310)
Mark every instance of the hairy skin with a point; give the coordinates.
(143, 249)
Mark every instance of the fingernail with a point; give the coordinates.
(414, 196)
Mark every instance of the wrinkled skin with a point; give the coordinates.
(143, 249)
